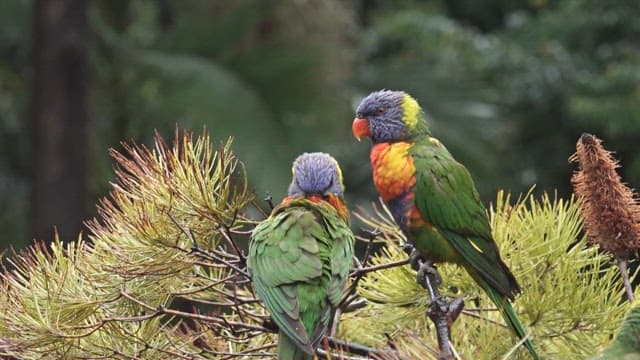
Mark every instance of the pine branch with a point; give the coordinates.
(164, 273)
(564, 284)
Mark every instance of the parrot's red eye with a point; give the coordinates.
(381, 111)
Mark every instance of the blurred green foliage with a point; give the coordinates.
(14, 96)
(509, 85)
(510, 99)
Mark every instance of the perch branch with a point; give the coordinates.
(622, 264)
(442, 312)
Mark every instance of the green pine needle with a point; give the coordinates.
(160, 278)
(570, 300)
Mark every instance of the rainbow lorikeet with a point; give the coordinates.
(432, 196)
(626, 345)
(301, 255)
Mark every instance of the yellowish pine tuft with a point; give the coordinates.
(569, 303)
(609, 208)
(161, 278)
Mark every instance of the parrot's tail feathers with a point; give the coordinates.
(288, 350)
(513, 321)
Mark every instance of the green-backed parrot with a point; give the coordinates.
(432, 196)
(300, 256)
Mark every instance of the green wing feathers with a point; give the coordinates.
(288, 350)
(299, 259)
(447, 198)
(508, 313)
(488, 265)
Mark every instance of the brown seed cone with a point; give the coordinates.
(609, 208)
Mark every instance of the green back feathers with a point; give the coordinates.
(299, 259)
(447, 198)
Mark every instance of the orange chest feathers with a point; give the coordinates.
(393, 169)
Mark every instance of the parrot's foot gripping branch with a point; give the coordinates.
(442, 311)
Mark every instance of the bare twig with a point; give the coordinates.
(260, 209)
(358, 273)
(353, 348)
(225, 231)
(269, 200)
(442, 312)
(622, 264)
(253, 352)
(379, 267)
(473, 314)
(372, 235)
(211, 256)
(160, 310)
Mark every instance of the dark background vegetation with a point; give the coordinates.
(508, 86)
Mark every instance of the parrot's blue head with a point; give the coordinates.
(389, 116)
(316, 174)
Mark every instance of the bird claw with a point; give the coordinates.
(428, 277)
(415, 258)
(426, 269)
(407, 248)
(441, 308)
(455, 309)
(438, 308)
(423, 266)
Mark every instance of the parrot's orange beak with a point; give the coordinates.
(360, 128)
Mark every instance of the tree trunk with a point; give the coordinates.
(59, 118)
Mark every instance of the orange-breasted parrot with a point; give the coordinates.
(300, 256)
(432, 196)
